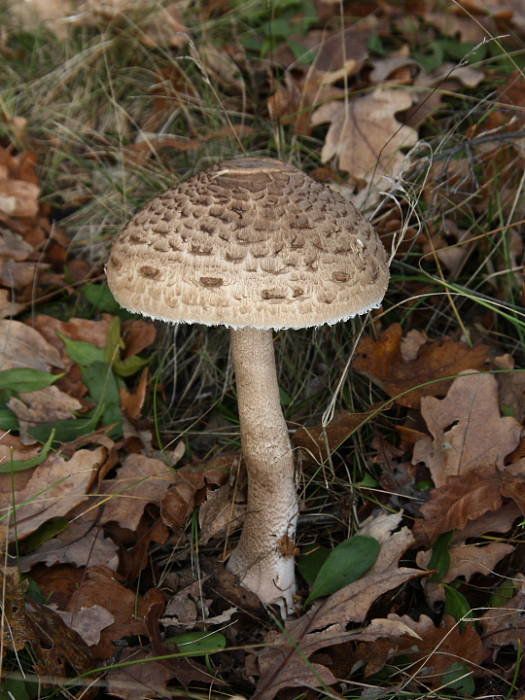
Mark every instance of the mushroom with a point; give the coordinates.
(253, 244)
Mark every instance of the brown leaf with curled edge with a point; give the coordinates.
(382, 361)
(468, 433)
(56, 645)
(432, 651)
(504, 625)
(15, 630)
(454, 504)
(82, 543)
(294, 102)
(189, 489)
(40, 406)
(137, 336)
(99, 586)
(22, 346)
(94, 332)
(140, 680)
(365, 135)
(325, 623)
(139, 481)
(465, 560)
(56, 486)
(317, 442)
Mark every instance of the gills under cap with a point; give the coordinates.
(250, 242)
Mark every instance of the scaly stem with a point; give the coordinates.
(262, 559)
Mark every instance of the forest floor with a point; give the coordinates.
(121, 478)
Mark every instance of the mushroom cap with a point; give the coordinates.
(251, 242)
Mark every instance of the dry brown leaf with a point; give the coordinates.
(382, 361)
(293, 102)
(221, 513)
(317, 441)
(139, 481)
(94, 332)
(97, 586)
(465, 560)
(7, 307)
(88, 622)
(35, 407)
(13, 246)
(22, 346)
(137, 336)
(141, 680)
(189, 489)
(511, 386)
(467, 430)
(499, 521)
(82, 543)
(432, 654)
(15, 630)
(18, 197)
(55, 487)
(504, 625)
(325, 623)
(57, 647)
(365, 135)
(454, 504)
(133, 401)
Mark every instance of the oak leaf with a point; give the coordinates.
(365, 135)
(502, 626)
(382, 360)
(286, 661)
(139, 481)
(55, 487)
(468, 433)
(22, 346)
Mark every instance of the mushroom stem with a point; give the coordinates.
(263, 559)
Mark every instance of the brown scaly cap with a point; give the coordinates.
(251, 242)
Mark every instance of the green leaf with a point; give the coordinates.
(8, 420)
(103, 389)
(45, 532)
(101, 297)
(501, 596)
(69, 429)
(81, 352)
(26, 379)
(197, 643)
(456, 604)
(15, 689)
(459, 677)
(113, 342)
(346, 563)
(20, 465)
(130, 366)
(440, 558)
(310, 563)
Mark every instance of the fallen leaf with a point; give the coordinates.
(502, 626)
(365, 135)
(318, 441)
(81, 543)
(88, 622)
(286, 661)
(15, 630)
(137, 336)
(139, 481)
(56, 486)
(138, 681)
(18, 197)
(465, 560)
(453, 505)
(468, 433)
(511, 386)
(8, 307)
(221, 513)
(382, 361)
(41, 406)
(56, 646)
(22, 346)
(100, 587)
(432, 652)
(94, 332)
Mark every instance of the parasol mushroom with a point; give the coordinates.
(253, 244)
